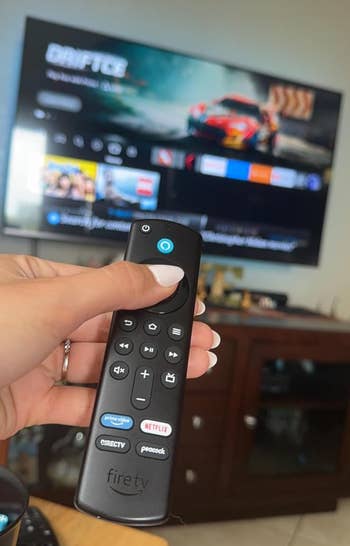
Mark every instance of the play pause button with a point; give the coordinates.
(123, 346)
(148, 350)
(173, 355)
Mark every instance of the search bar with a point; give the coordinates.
(59, 101)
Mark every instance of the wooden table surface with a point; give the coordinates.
(75, 529)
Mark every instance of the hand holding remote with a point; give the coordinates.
(41, 304)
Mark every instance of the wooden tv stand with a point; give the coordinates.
(268, 430)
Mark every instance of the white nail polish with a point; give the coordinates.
(212, 359)
(216, 340)
(201, 308)
(166, 275)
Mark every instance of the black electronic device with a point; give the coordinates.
(36, 529)
(128, 462)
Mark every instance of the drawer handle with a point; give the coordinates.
(250, 421)
(197, 422)
(191, 476)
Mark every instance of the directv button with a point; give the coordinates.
(173, 355)
(148, 350)
(113, 443)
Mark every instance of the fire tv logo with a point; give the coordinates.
(126, 484)
(82, 59)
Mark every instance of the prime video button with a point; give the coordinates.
(114, 420)
(53, 217)
(165, 246)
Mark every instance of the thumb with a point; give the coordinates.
(37, 314)
(124, 285)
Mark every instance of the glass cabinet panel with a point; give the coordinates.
(300, 419)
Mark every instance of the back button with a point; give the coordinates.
(127, 323)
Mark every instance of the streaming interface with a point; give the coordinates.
(109, 131)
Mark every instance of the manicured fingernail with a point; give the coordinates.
(216, 340)
(166, 275)
(212, 359)
(200, 308)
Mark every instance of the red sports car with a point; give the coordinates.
(235, 122)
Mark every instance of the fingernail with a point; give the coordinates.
(216, 340)
(201, 308)
(166, 275)
(212, 359)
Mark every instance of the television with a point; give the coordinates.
(109, 130)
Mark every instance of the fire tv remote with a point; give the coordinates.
(127, 467)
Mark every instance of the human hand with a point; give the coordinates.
(42, 303)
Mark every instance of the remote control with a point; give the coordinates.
(36, 530)
(127, 467)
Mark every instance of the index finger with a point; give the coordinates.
(95, 330)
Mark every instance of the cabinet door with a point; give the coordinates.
(295, 417)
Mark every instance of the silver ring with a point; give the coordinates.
(65, 365)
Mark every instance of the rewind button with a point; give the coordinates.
(124, 346)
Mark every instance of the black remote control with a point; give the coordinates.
(127, 467)
(36, 530)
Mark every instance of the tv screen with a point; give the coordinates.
(109, 130)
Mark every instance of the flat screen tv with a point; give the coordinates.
(109, 130)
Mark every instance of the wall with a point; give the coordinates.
(305, 40)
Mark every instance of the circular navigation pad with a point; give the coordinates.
(173, 302)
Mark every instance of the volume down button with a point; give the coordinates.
(142, 389)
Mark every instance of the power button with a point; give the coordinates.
(165, 246)
(145, 228)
